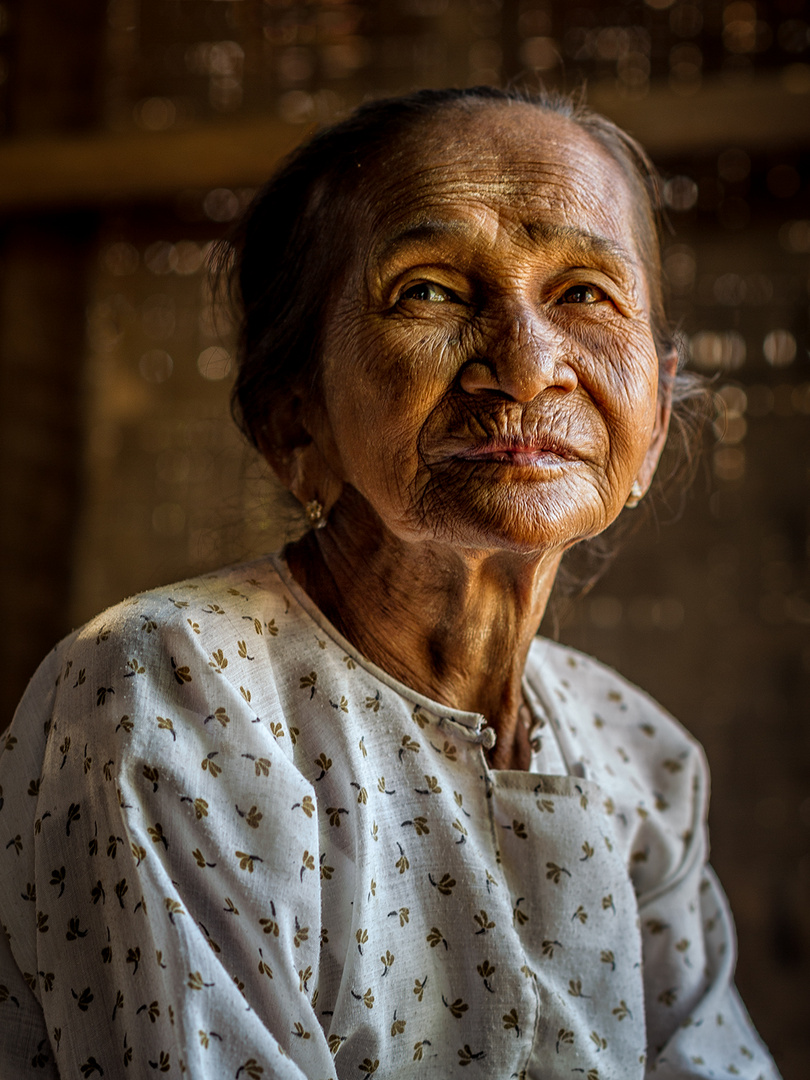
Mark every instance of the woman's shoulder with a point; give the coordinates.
(603, 700)
(220, 612)
(231, 596)
(177, 647)
(192, 664)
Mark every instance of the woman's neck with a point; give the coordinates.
(453, 625)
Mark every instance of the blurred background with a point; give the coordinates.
(132, 132)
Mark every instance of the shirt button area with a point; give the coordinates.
(488, 738)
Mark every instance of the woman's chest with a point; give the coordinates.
(466, 915)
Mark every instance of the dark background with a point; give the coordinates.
(132, 132)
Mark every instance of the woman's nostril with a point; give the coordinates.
(519, 372)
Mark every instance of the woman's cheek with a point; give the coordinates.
(620, 372)
(379, 398)
(427, 349)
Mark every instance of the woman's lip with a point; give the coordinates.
(520, 454)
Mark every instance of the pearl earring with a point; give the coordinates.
(635, 496)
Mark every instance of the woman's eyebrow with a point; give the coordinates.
(584, 244)
(579, 242)
(419, 232)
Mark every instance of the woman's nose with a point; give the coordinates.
(523, 356)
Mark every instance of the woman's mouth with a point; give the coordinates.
(531, 452)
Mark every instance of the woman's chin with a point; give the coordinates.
(517, 517)
(522, 530)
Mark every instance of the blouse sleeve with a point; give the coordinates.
(692, 926)
(175, 894)
(697, 1025)
(657, 774)
(657, 778)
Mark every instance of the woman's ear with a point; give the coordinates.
(312, 479)
(295, 457)
(668, 367)
(282, 433)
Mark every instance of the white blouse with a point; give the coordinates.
(232, 847)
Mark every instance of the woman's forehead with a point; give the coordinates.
(497, 164)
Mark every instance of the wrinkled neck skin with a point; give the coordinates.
(453, 624)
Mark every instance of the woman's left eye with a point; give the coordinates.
(583, 294)
(428, 291)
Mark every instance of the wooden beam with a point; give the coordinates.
(770, 112)
(141, 166)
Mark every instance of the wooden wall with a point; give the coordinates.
(130, 135)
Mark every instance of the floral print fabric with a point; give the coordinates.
(231, 847)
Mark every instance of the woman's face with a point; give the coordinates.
(489, 374)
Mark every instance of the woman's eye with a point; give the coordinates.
(429, 292)
(583, 294)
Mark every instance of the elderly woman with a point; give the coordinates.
(339, 812)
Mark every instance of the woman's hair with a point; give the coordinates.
(291, 250)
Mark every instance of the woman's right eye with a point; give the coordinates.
(429, 292)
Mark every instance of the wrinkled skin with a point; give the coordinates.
(490, 394)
